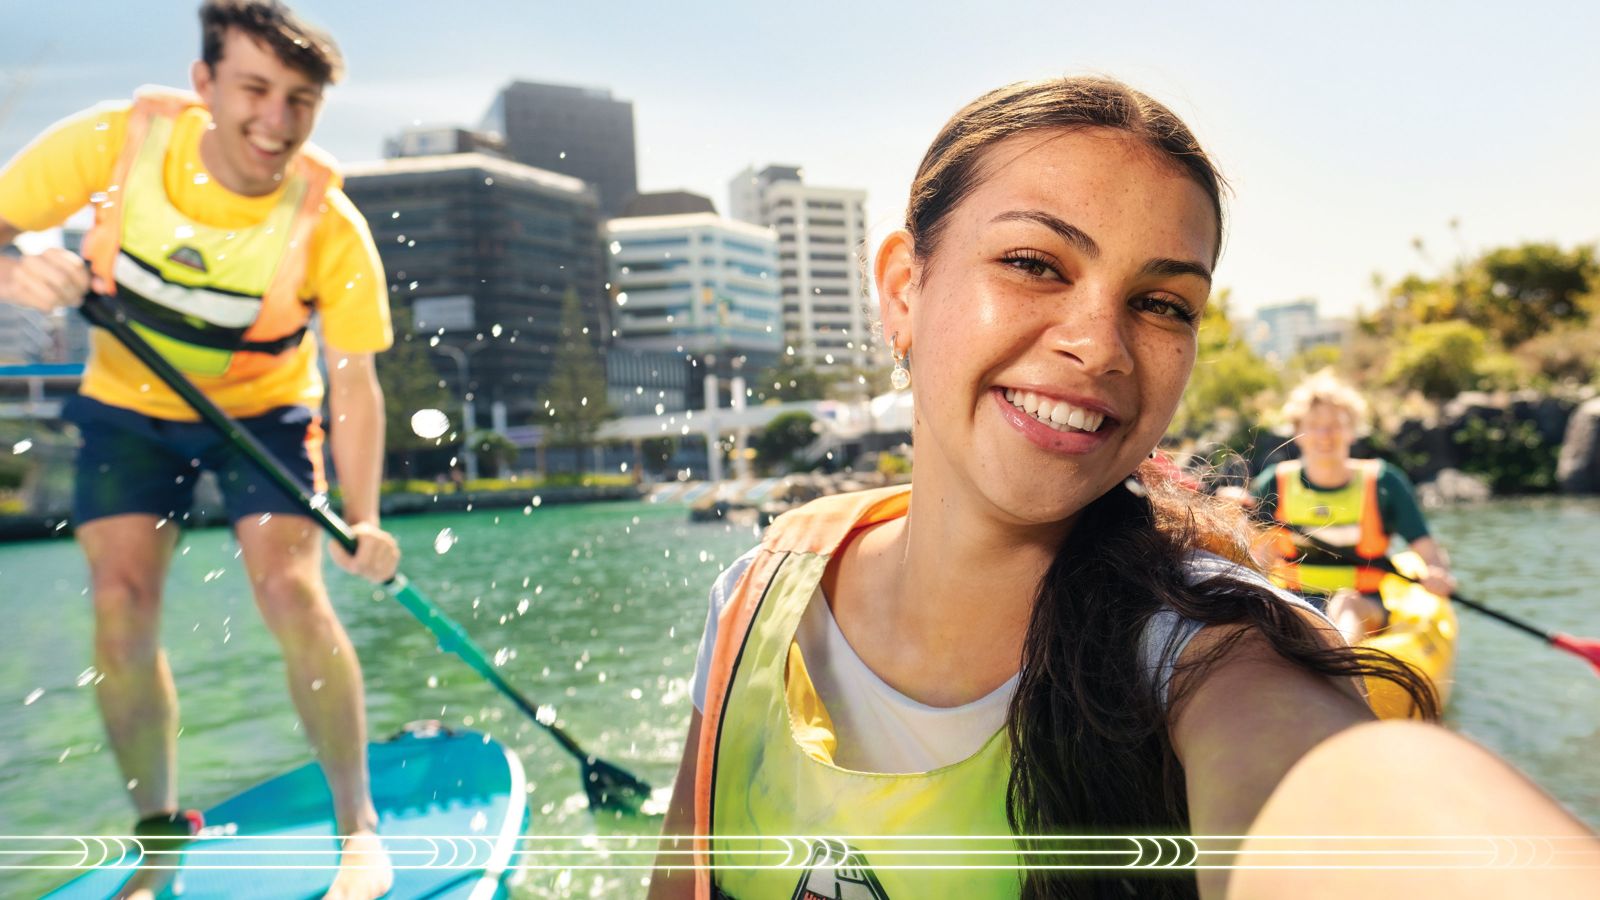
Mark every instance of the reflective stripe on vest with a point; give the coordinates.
(214, 301)
(762, 798)
(1346, 517)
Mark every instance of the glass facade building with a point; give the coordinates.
(480, 252)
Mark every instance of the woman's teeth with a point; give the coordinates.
(1057, 414)
(266, 146)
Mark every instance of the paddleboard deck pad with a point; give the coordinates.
(451, 807)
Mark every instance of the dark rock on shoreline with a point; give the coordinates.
(1578, 468)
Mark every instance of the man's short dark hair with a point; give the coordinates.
(298, 44)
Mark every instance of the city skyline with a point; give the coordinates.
(1345, 133)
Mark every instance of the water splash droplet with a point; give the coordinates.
(21, 447)
(429, 423)
(33, 696)
(443, 541)
(202, 178)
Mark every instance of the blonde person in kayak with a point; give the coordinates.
(1355, 505)
(1042, 636)
(221, 230)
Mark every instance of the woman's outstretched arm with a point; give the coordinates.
(1449, 802)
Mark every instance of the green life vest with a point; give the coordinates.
(786, 823)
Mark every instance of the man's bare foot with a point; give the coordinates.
(162, 838)
(364, 869)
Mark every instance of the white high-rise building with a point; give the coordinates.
(699, 285)
(822, 234)
(1282, 330)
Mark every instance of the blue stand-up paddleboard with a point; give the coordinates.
(451, 807)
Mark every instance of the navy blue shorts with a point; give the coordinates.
(129, 462)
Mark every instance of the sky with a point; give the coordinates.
(1347, 131)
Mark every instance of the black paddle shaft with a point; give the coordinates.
(107, 313)
(606, 784)
(1342, 555)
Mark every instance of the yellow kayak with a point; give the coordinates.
(1422, 631)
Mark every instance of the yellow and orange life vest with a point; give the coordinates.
(1347, 517)
(217, 302)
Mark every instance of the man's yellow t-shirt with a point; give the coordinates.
(72, 164)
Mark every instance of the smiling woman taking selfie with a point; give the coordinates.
(1042, 636)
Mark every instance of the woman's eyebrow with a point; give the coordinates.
(1070, 233)
(1167, 268)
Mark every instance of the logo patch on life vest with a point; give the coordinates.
(189, 258)
(837, 871)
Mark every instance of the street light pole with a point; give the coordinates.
(469, 418)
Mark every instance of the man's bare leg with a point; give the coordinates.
(284, 559)
(128, 560)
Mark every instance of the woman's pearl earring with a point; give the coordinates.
(900, 376)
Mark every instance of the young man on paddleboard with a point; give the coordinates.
(221, 230)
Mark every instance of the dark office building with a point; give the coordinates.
(442, 141)
(667, 203)
(485, 249)
(582, 132)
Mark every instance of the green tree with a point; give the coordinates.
(1227, 377)
(1509, 452)
(790, 380)
(409, 383)
(784, 437)
(1440, 359)
(1313, 359)
(1518, 292)
(495, 450)
(859, 383)
(575, 396)
(1511, 293)
(1567, 355)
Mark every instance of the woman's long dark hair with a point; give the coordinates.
(1090, 748)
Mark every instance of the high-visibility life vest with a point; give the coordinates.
(217, 302)
(1347, 517)
(764, 802)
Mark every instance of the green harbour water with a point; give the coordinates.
(597, 611)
